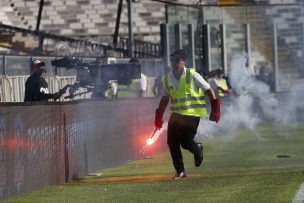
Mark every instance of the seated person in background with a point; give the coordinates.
(36, 87)
(220, 84)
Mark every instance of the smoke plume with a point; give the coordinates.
(253, 104)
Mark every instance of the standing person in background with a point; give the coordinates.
(262, 76)
(142, 85)
(111, 92)
(220, 84)
(158, 87)
(113, 86)
(218, 39)
(135, 87)
(142, 82)
(184, 88)
(36, 87)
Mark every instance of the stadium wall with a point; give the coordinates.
(44, 144)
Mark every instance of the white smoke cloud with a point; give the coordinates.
(253, 105)
(293, 108)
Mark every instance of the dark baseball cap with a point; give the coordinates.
(219, 71)
(38, 62)
(179, 54)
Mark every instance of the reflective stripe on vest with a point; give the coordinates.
(185, 100)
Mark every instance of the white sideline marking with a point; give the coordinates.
(299, 197)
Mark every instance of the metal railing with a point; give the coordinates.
(142, 49)
(51, 44)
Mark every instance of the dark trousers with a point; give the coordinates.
(181, 132)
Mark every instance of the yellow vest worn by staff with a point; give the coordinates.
(127, 91)
(185, 100)
(221, 82)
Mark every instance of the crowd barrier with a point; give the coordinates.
(48, 143)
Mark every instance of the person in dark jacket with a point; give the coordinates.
(36, 87)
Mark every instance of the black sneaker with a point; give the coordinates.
(179, 175)
(198, 158)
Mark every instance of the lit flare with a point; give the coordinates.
(152, 137)
(150, 141)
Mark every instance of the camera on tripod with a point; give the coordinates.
(95, 76)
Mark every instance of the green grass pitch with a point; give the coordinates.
(246, 168)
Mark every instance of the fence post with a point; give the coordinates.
(206, 48)
(247, 43)
(275, 56)
(302, 34)
(4, 65)
(165, 46)
(223, 47)
(191, 46)
(178, 36)
(66, 150)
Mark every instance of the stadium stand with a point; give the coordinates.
(86, 18)
(89, 20)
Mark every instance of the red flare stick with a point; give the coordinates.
(152, 135)
(150, 141)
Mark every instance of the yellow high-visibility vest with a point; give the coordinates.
(127, 91)
(221, 82)
(185, 100)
